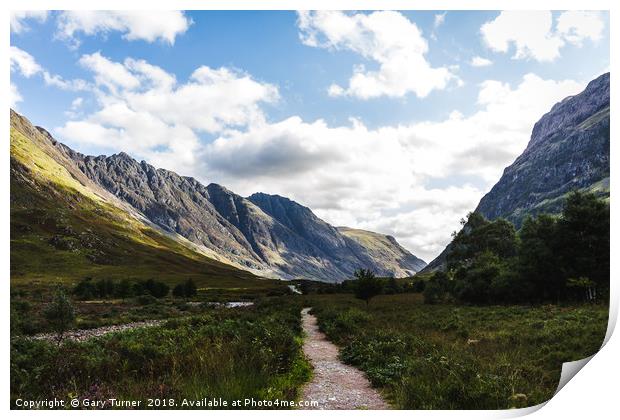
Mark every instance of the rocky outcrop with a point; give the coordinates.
(568, 150)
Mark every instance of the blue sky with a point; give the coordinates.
(409, 139)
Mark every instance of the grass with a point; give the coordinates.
(460, 357)
(224, 353)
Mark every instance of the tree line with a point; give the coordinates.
(88, 288)
(550, 259)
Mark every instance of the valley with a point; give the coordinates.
(133, 283)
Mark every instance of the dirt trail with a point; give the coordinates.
(335, 386)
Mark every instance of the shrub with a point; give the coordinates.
(156, 288)
(146, 299)
(186, 289)
(436, 288)
(60, 314)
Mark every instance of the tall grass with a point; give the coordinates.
(460, 357)
(229, 353)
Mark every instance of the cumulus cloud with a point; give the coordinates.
(26, 65)
(575, 26)
(155, 25)
(387, 38)
(478, 61)
(385, 179)
(19, 18)
(540, 40)
(23, 62)
(414, 181)
(144, 110)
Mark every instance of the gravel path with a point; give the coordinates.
(83, 335)
(87, 334)
(335, 386)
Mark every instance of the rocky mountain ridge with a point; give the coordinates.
(568, 150)
(269, 235)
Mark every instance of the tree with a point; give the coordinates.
(584, 288)
(85, 289)
(479, 235)
(367, 285)
(479, 257)
(474, 283)
(392, 287)
(186, 289)
(123, 289)
(60, 314)
(436, 287)
(539, 266)
(190, 288)
(156, 288)
(584, 239)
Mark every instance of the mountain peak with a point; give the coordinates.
(568, 150)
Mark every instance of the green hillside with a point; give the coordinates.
(62, 230)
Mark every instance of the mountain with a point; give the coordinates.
(568, 150)
(65, 227)
(386, 249)
(268, 235)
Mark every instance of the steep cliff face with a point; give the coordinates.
(347, 249)
(270, 235)
(568, 150)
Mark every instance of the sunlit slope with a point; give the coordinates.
(384, 248)
(63, 228)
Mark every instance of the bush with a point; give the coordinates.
(186, 289)
(437, 288)
(156, 288)
(146, 299)
(250, 353)
(60, 314)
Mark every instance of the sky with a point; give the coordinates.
(396, 122)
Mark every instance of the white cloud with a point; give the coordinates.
(478, 61)
(439, 20)
(74, 110)
(390, 179)
(144, 110)
(14, 96)
(387, 38)
(23, 62)
(18, 18)
(27, 66)
(575, 26)
(134, 25)
(110, 74)
(414, 181)
(533, 34)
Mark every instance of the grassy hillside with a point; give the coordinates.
(385, 248)
(63, 231)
